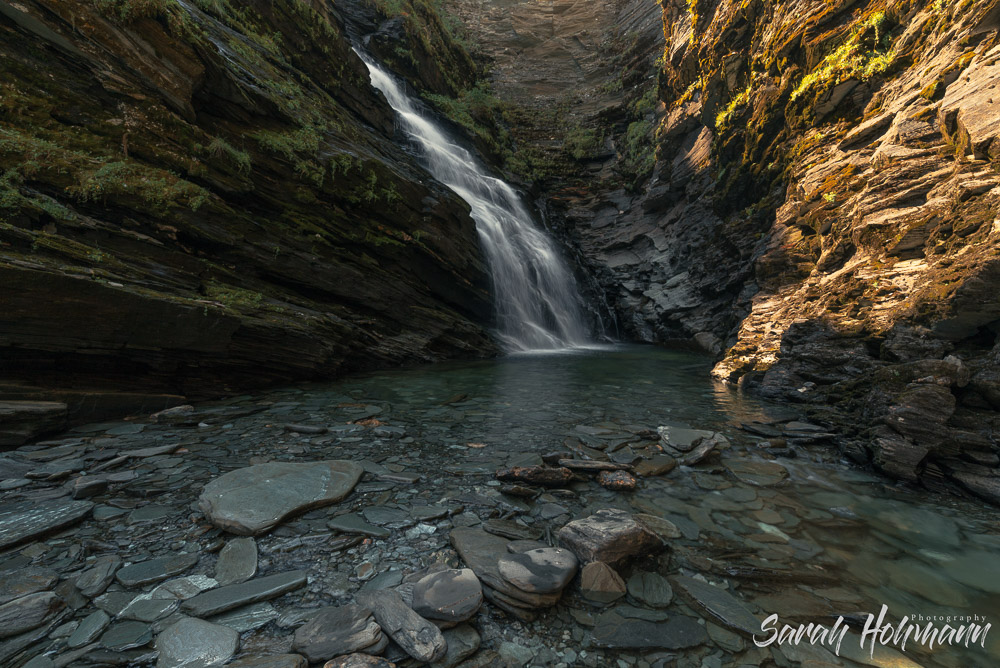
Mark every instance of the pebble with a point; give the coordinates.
(194, 643)
(237, 561)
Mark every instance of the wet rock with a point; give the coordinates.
(220, 600)
(25, 520)
(543, 571)
(514, 654)
(28, 612)
(618, 481)
(391, 518)
(650, 589)
(353, 523)
(335, 631)
(663, 528)
(195, 643)
(682, 438)
(591, 466)
(601, 583)
(418, 637)
(481, 552)
(146, 609)
(271, 661)
(89, 629)
(22, 421)
(26, 581)
(656, 465)
(154, 570)
(451, 595)
(87, 486)
(720, 605)
(610, 536)
(512, 530)
(305, 429)
(252, 500)
(122, 636)
(359, 661)
(614, 631)
(756, 472)
(975, 569)
(703, 448)
(520, 491)
(237, 561)
(463, 641)
(536, 475)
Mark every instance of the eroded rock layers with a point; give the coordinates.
(201, 196)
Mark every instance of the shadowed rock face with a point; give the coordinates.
(808, 190)
(194, 203)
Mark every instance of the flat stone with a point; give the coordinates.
(481, 552)
(25, 520)
(359, 661)
(463, 641)
(252, 500)
(26, 581)
(247, 618)
(650, 589)
(220, 600)
(354, 523)
(28, 612)
(146, 609)
(719, 604)
(452, 595)
(154, 570)
(89, 629)
(511, 529)
(334, 631)
(682, 438)
(122, 636)
(418, 637)
(656, 465)
(756, 472)
(543, 571)
(237, 561)
(537, 475)
(394, 518)
(663, 528)
(610, 536)
(601, 583)
(195, 643)
(271, 661)
(613, 631)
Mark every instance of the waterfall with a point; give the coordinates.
(536, 297)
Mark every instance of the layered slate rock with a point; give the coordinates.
(718, 604)
(336, 631)
(418, 637)
(601, 583)
(610, 536)
(195, 643)
(452, 595)
(237, 561)
(154, 570)
(25, 520)
(28, 612)
(215, 601)
(24, 581)
(541, 571)
(252, 500)
(271, 661)
(482, 551)
(614, 631)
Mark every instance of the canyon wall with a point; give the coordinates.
(202, 196)
(807, 189)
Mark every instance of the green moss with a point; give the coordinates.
(582, 143)
(741, 99)
(220, 148)
(154, 189)
(638, 155)
(233, 297)
(866, 52)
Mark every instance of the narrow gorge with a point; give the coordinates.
(374, 333)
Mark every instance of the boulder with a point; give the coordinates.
(609, 535)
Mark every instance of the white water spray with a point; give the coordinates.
(536, 297)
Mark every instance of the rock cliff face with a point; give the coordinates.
(807, 189)
(200, 196)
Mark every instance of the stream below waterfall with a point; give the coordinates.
(806, 536)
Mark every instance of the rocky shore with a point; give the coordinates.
(329, 528)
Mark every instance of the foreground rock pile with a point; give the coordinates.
(198, 550)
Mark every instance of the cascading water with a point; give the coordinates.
(537, 300)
